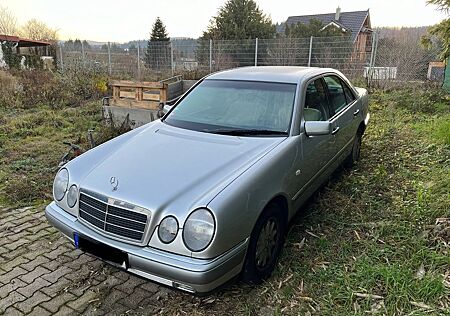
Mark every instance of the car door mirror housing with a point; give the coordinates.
(166, 108)
(317, 128)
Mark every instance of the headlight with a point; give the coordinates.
(168, 229)
(199, 230)
(72, 196)
(60, 184)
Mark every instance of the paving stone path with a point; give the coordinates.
(42, 274)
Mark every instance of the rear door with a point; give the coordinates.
(343, 107)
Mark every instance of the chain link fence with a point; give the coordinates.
(381, 62)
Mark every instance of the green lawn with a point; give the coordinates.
(374, 239)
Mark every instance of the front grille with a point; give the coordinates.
(112, 218)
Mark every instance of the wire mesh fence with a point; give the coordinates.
(381, 61)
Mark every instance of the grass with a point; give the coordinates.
(374, 240)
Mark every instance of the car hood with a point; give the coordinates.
(168, 168)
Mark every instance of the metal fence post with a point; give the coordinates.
(171, 58)
(372, 60)
(376, 49)
(256, 52)
(61, 57)
(139, 60)
(109, 59)
(310, 50)
(82, 51)
(210, 55)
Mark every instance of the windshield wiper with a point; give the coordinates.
(244, 132)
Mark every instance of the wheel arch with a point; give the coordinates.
(282, 202)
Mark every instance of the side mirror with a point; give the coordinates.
(317, 128)
(166, 108)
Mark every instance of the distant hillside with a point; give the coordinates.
(401, 33)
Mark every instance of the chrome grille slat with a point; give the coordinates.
(114, 210)
(111, 218)
(92, 211)
(118, 221)
(92, 219)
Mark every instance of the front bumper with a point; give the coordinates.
(185, 273)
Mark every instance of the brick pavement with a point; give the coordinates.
(42, 274)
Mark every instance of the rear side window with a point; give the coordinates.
(316, 104)
(348, 93)
(336, 93)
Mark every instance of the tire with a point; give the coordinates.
(266, 242)
(355, 154)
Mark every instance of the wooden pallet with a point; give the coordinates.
(141, 95)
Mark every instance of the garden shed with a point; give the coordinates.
(17, 51)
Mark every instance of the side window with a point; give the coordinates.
(348, 93)
(316, 103)
(336, 93)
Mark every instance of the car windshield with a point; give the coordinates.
(236, 108)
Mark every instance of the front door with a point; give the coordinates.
(314, 150)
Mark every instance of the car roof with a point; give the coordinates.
(284, 74)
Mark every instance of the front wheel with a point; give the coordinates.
(265, 245)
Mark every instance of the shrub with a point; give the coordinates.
(8, 89)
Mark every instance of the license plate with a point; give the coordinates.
(100, 250)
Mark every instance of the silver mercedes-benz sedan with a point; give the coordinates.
(206, 193)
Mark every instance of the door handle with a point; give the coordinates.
(335, 130)
(356, 112)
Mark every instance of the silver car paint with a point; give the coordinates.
(173, 171)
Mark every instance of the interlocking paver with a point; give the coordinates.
(27, 305)
(30, 265)
(55, 253)
(11, 264)
(150, 287)
(82, 302)
(129, 285)
(31, 276)
(132, 301)
(65, 311)
(12, 311)
(56, 274)
(39, 311)
(16, 244)
(14, 273)
(57, 287)
(31, 288)
(10, 286)
(10, 255)
(42, 273)
(9, 300)
(35, 229)
(55, 303)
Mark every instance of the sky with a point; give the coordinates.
(122, 21)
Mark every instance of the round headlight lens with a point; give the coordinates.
(72, 196)
(168, 229)
(198, 230)
(60, 184)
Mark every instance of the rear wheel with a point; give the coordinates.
(355, 155)
(265, 245)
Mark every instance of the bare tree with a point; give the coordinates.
(39, 31)
(8, 22)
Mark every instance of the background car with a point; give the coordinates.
(239, 154)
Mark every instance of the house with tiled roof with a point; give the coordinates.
(356, 23)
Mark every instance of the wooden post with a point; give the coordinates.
(163, 93)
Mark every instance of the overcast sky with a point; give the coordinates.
(121, 21)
